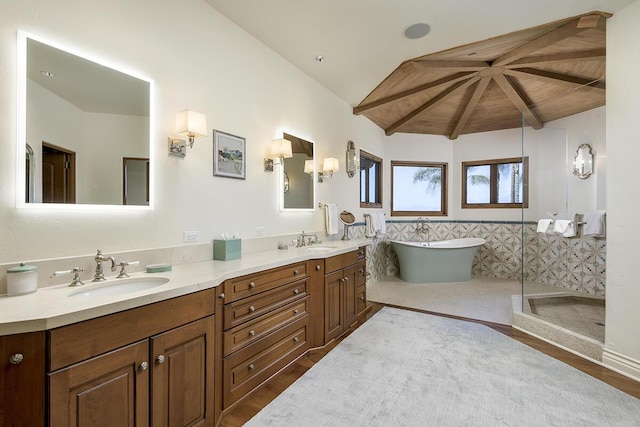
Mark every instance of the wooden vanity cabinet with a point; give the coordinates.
(152, 365)
(22, 380)
(344, 292)
(265, 321)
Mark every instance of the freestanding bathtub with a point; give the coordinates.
(435, 262)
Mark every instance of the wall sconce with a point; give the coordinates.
(190, 124)
(279, 149)
(329, 166)
(352, 161)
(308, 167)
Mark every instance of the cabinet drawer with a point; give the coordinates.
(256, 329)
(251, 366)
(340, 261)
(246, 286)
(361, 273)
(247, 309)
(362, 252)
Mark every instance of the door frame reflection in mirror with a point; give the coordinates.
(23, 39)
(297, 177)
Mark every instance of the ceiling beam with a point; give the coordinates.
(519, 100)
(455, 78)
(431, 103)
(530, 61)
(471, 105)
(570, 82)
(570, 29)
(416, 66)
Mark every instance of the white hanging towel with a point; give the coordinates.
(564, 227)
(331, 218)
(369, 231)
(595, 224)
(379, 223)
(543, 225)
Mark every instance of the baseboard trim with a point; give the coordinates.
(621, 364)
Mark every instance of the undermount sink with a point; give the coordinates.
(119, 286)
(320, 248)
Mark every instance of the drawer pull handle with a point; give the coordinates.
(295, 272)
(252, 309)
(143, 366)
(221, 296)
(252, 333)
(295, 311)
(252, 285)
(296, 339)
(160, 359)
(317, 268)
(16, 359)
(296, 292)
(251, 367)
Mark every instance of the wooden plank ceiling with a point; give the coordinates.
(548, 72)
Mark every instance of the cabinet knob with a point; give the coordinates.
(221, 296)
(252, 309)
(251, 367)
(362, 298)
(16, 359)
(296, 339)
(252, 333)
(252, 285)
(160, 359)
(346, 279)
(295, 311)
(317, 268)
(143, 366)
(295, 272)
(296, 292)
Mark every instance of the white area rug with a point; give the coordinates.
(482, 298)
(403, 368)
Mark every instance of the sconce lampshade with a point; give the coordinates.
(192, 124)
(281, 148)
(308, 166)
(330, 164)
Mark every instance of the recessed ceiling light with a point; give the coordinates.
(320, 58)
(47, 73)
(417, 31)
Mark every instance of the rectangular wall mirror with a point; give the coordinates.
(297, 186)
(80, 120)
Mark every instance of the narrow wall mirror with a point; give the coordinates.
(298, 191)
(583, 162)
(94, 113)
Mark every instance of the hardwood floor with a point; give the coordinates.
(246, 409)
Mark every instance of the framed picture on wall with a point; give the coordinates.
(229, 158)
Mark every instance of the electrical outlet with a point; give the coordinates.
(190, 236)
(259, 231)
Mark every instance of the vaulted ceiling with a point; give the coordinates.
(537, 75)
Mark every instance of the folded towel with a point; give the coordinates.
(564, 227)
(543, 225)
(595, 224)
(369, 231)
(331, 218)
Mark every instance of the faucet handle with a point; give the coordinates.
(123, 273)
(76, 281)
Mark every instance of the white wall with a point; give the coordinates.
(198, 60)
(622, 343)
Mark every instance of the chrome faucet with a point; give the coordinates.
(99, 276)
(302, 242)
(422, 225)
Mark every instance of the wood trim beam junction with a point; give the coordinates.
(415, 66)
(519, 100)
(455, 78)
(471, 105)
(595, 54)
(431, 103)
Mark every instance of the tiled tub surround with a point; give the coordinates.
(576, 264)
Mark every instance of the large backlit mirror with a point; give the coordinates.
(297, 186)
(82, 126)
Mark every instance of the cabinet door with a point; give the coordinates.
(350, 296)
(22, 378)
(108, 390)
(333, 305)
(182, 377)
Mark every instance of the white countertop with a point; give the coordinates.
(51, 307)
